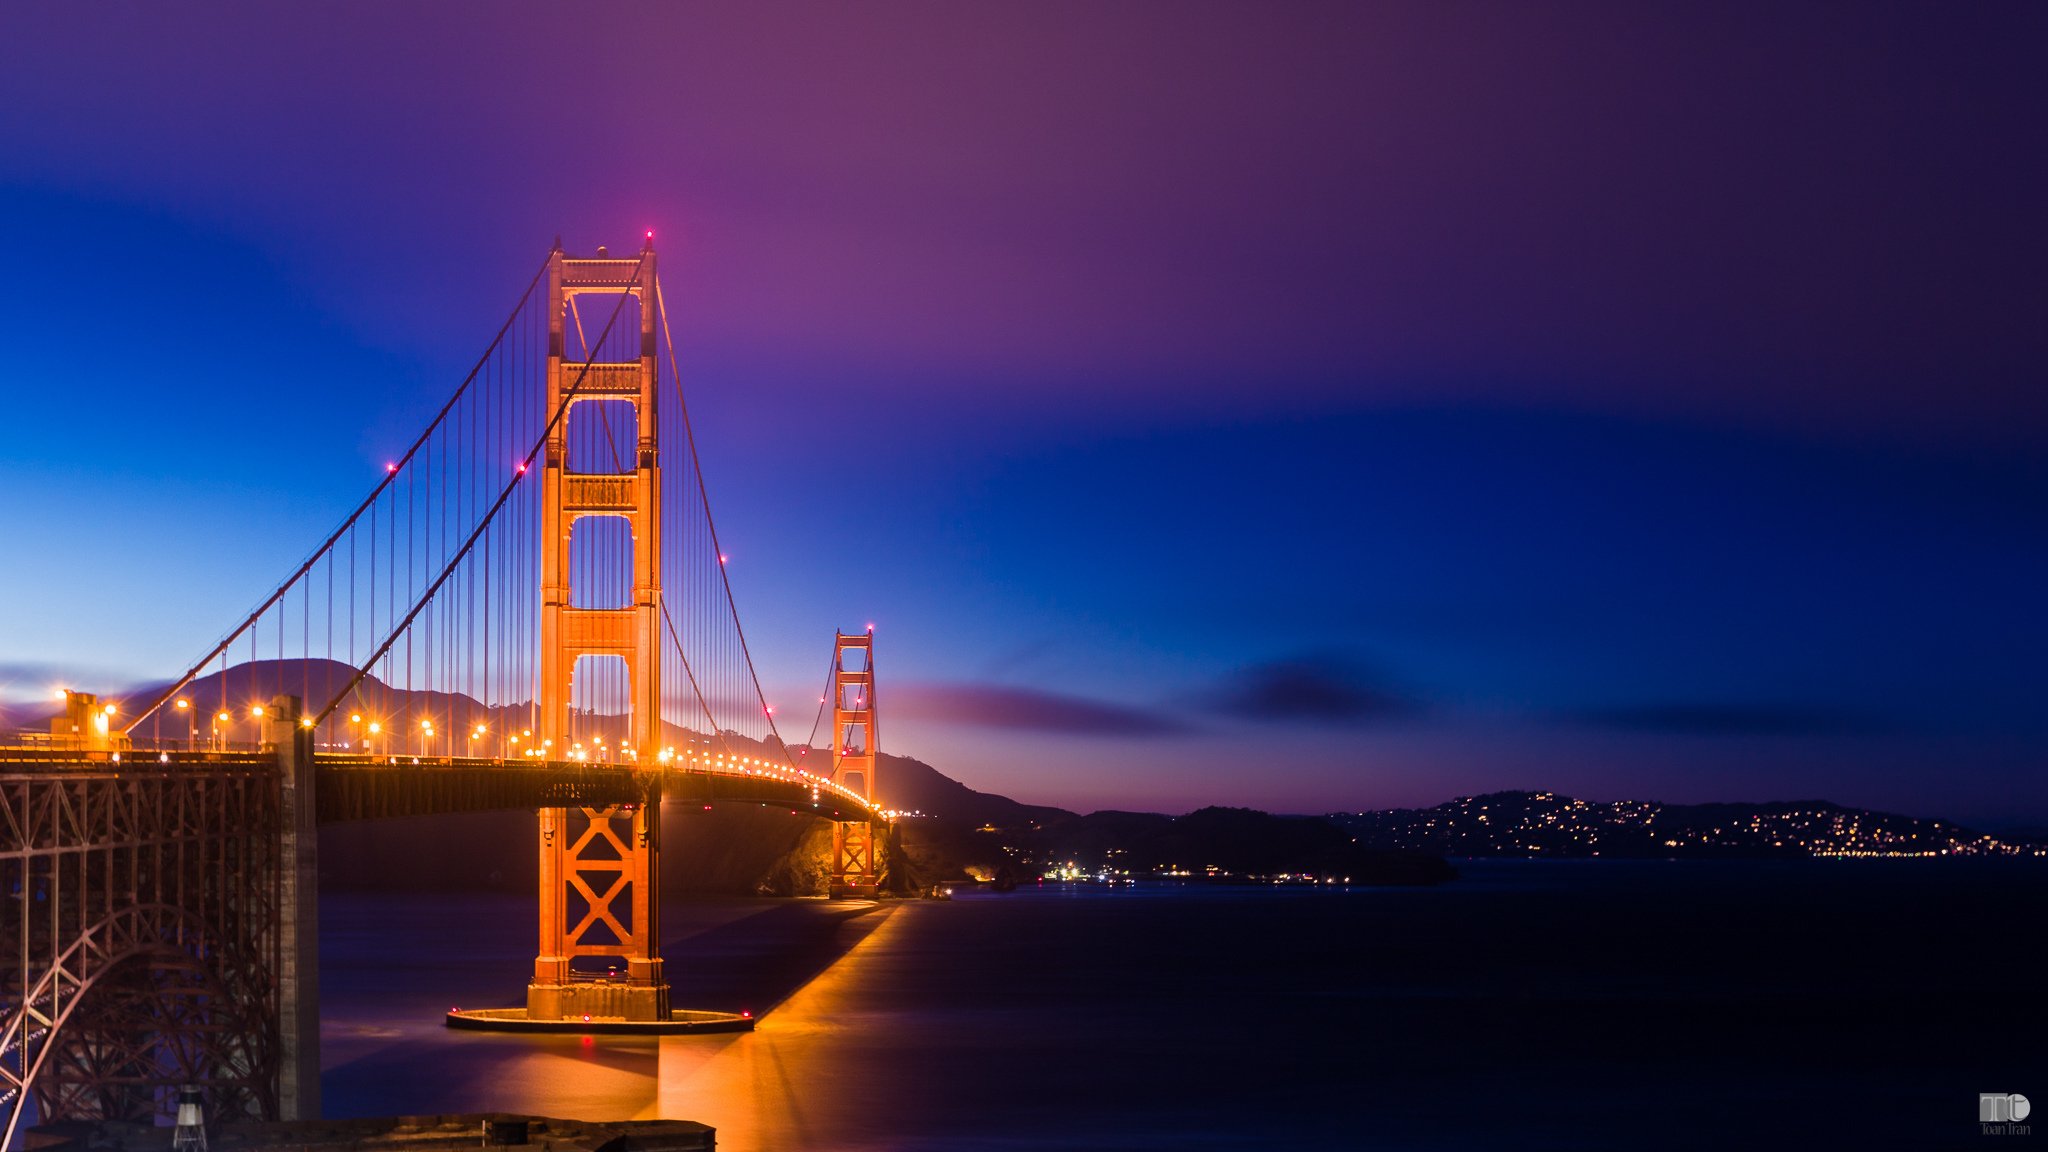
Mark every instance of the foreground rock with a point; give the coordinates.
(489, 1129)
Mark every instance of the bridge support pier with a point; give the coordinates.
(298, 915)
(599, 899)
(854, 874)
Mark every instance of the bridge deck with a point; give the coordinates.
(358, 787)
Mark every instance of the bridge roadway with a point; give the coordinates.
(361, 787)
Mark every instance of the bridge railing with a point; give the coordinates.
(681, 766)
(130, 758)
(353, 786)
(784, 782)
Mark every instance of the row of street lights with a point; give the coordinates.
(368, 733)
(223, 725)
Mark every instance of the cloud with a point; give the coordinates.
(1313, 689)
(1721, 719)
(1027, 709)
(33, 682)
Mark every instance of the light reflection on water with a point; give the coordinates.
(777, 1087)
(392, 964)
(1526, 1006)
(1048, 1018)
(782, 1085)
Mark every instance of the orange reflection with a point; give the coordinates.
(779, 1087)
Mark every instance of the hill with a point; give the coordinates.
(950, 831)
(910, 785)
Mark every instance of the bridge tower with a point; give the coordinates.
(598, 867)
(854, 868)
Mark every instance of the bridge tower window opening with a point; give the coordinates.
(603, 438)
(601, 562)
(588, 300)
(601, 720)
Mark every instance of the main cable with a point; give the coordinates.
(711, 526)
(427, 596)
(390, 475)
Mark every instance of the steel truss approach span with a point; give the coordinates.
(145, 940)
(530, 609)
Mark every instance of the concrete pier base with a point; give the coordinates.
(680, 1020)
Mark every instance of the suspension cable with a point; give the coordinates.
(703, 703)
(831, 666)
(561, 410)
(390, 476)
(711, 526)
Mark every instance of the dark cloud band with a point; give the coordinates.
(1027, 709)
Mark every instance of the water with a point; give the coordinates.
(1529, 1004)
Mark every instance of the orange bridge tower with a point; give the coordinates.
(854, 868)
(598, 871)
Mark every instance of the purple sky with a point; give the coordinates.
(1302, 406)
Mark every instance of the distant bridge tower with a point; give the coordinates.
(853, 759)
(598, 873)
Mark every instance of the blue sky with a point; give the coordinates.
(1331, 407)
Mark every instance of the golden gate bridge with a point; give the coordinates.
(529, 610)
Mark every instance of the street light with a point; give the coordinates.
(184, 708)
(370, 744)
